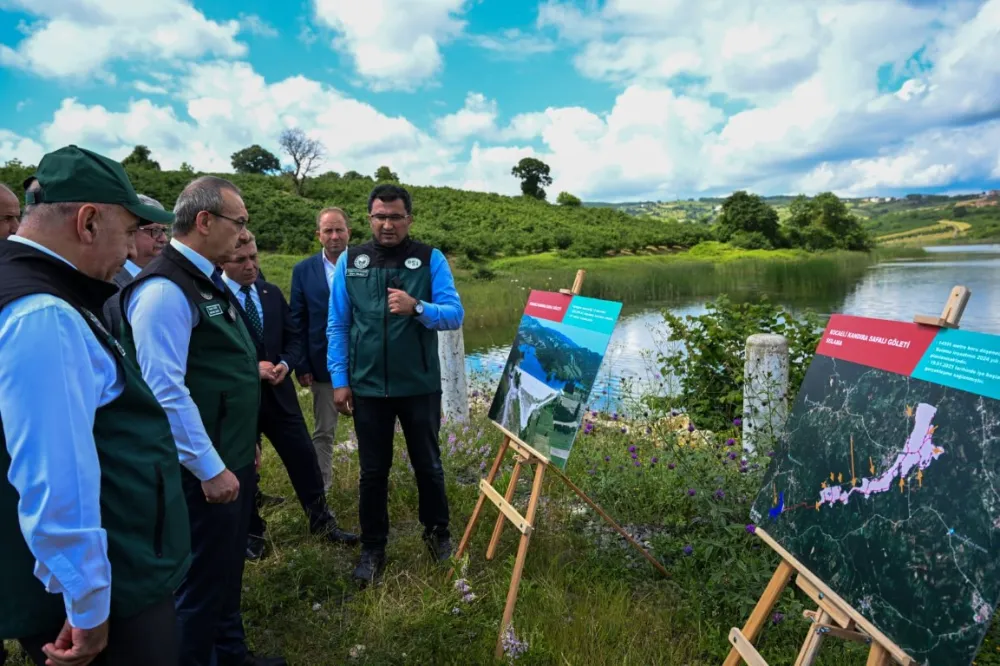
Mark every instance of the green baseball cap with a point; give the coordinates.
(74, 174)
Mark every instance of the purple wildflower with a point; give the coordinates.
(592, 472)
(777, 618)
(614, 416)
(631, 449)
(624, 430)
(720, 494)
(737, 422)
(730, 441)
(751, 528)
(475, 394)
(690, 427)
(673, 412)
(482, 466)
(607, 458)
(655, 460)
(671, 465)
(770, 454)
(638, 464)
(593, 414)
(512, 647)
(688, 549)
(452, 439)
(691, 492)
(732, 456)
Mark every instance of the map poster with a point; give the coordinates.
(551, 369)
(887, 483)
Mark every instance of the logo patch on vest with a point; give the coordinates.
(204, 294)
(213, 310)
(362, 261)
(413, 263)
(357, 272)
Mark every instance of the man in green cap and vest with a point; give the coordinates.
(198, 358)
(389, 298)
(94, 530)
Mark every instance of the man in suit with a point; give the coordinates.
(279, 347)
(199, 359)
(149, 242)
(310, 302)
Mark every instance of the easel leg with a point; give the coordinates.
(593, 505)
(501, 519)
(758, 617)
(807, 655)
(878, 656)
(464, 543)
(522, 553)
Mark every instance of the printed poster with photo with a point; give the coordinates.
(553, 363)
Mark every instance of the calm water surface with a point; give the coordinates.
(890, 290)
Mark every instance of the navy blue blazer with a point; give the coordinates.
(309, 305)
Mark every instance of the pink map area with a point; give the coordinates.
(920, 451)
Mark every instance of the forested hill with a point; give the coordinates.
(475, 224)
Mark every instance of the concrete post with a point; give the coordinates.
(454, 386)
(765, 391)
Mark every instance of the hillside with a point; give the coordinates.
(474, 224)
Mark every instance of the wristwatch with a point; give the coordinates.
(418, 309)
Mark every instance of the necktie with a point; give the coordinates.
(217, 281)
(252, 314)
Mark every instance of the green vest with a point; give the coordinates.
(142, 503)
(390, 355)
(222, 373)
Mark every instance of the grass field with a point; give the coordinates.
(943, 230)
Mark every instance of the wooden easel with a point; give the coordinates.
(525, 455)
(833, 616)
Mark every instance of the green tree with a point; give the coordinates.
(533, 174)
(353, 175)
(255, 159)
(567, 199)
(140, 157)
(959, 212)
(749, 213)
(386, 175)
(824, 222)
(186, 168)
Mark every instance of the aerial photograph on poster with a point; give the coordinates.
(551, 369)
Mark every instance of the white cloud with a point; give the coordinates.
(13, 146)
(149, 88)
(513, 44)
(79, 39)
(476, 118)
(255, 25)
(394, 43)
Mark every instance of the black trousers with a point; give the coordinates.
(208, 599)
(286, 429)
(149, 638)
(375, 425)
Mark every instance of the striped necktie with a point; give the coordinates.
(252, 314)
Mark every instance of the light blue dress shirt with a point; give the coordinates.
(132, 268)
(162, 318)
(443, 313)
(54, 375)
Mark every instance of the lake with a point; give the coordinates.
(888, 290)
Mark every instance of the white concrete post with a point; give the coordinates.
(454, 386)
(765, 391)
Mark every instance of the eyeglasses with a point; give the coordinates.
(155, 232)
(380, 218)
(240, 223)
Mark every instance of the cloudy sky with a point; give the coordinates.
(625, 99)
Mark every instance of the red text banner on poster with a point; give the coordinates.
(547, 305)
(894, 346)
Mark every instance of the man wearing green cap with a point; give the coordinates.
(200, 361)
(94, 530)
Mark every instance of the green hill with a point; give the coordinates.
(475, 224)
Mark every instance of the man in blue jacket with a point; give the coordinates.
(310, 300)
(389, 298)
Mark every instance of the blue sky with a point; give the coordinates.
(624, 99)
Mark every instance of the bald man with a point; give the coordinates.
(10, 212)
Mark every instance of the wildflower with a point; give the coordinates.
(732, 456)
(482, 466)
(475, 394)
(770, 454)
(777, 618)
(593, 414)
(512, 647)
(607, 458)
(730, 441)
(592, 472)
(751, 528)
(649, 431)
(614, 416)
(691, 492)
(671, 465)
(638, 464)
(737, 422)
(673, 412)
(635, 456)
(452, 438)
(455, 610)
(624, 430)
(462, 585)
(720, 494)
(688, 549)
(631, 449)
(469, 597)
(690, 427)
(655, 460)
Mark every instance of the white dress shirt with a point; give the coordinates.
(54, 375)
(330, 268)
(162, 318)
(235, 287)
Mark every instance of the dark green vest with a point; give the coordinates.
(142, 504)
(222, 373)
(390, 355)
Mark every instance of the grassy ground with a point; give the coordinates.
(933, 233)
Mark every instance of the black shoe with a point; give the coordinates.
(251, 660)
(370, 565)
(440, 547)
(255, 547)
(329, 530)
(269, 501)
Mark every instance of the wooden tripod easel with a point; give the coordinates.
(525, 455)
(833, 616)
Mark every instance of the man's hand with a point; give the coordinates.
(278, 373)
(266, 370)
(343, 400)
(305, 380)
(401, 303)
(222, 489)
(76, 647)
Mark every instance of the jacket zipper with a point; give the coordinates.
(385, 337)
(161, 512)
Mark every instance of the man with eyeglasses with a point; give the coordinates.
(149, 242)
(389, 298)
(10, 217)
(199, 359)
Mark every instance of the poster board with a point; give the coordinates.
(886, 485)
(546, 383)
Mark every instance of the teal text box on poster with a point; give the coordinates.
(963, 360)
(592, 314)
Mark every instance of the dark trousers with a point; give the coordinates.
(208, 599)
(149, 638)
(286, 429)
(375, 424)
